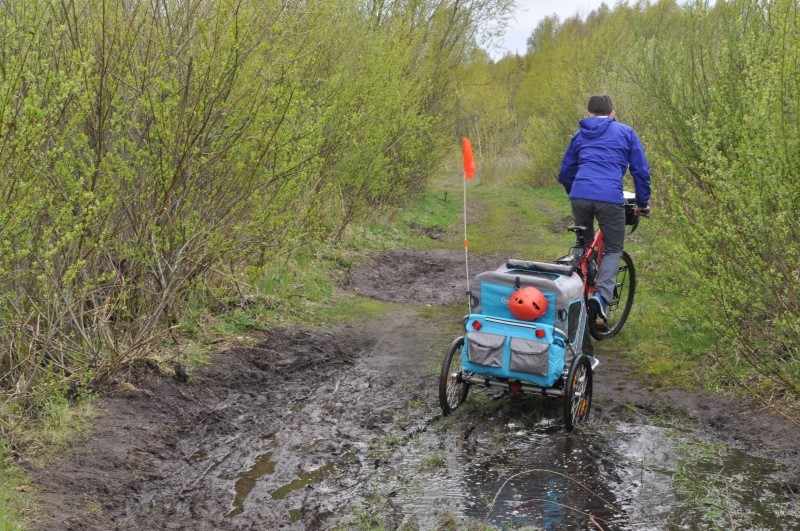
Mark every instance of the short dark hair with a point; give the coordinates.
(600, 104)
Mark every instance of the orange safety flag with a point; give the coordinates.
(469, 160)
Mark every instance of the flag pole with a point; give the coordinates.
(469, 173)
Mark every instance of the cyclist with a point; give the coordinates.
(591, 172)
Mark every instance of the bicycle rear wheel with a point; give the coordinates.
(620, 306)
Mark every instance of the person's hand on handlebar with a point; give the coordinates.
(641, 211)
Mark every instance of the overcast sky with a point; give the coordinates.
(530, 12)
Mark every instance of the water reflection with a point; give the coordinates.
(609, 477)
(692, 484)
(551, 480)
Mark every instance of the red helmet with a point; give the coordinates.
(527, 304)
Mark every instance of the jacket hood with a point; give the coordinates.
(595, 126)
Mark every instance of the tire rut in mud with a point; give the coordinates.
(418, 277)
(278, 435)
(240, 446)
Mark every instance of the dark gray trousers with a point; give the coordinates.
(611, 219)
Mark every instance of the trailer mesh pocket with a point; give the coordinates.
(485, 349)
(529, 356)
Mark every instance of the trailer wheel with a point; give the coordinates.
(578, 392)
(452, 389)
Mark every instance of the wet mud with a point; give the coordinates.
(340, 428)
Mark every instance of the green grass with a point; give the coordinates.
(15, 492)
(663, 338)
(517, 223)
(665, 352)
(434, 462)
(525, 222)
(520, 222)
(61, 422)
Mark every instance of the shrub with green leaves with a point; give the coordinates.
(151, 154)
(731, 122)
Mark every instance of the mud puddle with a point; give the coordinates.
(477, 470)
(341, 429)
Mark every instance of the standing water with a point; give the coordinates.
(624, 476)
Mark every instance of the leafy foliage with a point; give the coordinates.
(734, 189)
(153, 153)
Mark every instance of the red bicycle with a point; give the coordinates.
(587, 259)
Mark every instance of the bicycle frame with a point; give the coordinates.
(586, 260)
(590, 258)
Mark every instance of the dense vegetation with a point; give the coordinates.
(714, 92)
(158, 156)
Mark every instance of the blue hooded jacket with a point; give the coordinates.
(597, 158)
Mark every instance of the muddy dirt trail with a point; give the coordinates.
(341, 428)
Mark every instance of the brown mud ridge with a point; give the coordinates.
(287, 434)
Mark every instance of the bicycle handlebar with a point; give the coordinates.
(633, 212)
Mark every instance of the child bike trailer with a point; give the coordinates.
(524, 334)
